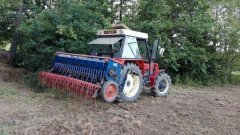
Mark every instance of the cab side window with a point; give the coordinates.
(142, 48)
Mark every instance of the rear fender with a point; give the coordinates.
(154, 76)
(138, 62)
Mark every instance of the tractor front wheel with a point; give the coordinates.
(131, 87)
(162, 85)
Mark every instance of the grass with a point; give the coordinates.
(236, 78)
(7, 89)
(10, 91)
(13, 91)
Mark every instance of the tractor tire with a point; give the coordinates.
(162, 85)
(109, 91)
(131, 83)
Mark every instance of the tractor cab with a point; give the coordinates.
(119, 42)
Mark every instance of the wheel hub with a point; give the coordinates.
(128, 83)
(111, 92)
(132, 85)
(163, 85)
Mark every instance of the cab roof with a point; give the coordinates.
(122, 30)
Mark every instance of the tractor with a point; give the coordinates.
(120, 65)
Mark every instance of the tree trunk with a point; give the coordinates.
(16, 35)
(121, 11)
(113, 13)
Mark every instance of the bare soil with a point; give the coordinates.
(208, 110)
(185, 111)
(9, 73)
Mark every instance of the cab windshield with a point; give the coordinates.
(106, 50)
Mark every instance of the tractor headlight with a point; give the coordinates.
(113, 73)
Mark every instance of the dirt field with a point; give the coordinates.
(212, 110)
(185, 111)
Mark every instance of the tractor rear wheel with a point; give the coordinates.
(131, 83)
(162, 85)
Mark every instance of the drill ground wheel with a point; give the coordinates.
(109, 91)
(162, 85)
(131, 78)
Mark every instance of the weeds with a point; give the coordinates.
(235, 78)
(7, 90)
(31, 80)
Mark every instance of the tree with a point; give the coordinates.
(184, 28)
(13, 13)
(16, 35)
(8, 10)
(227, 33)
(67, 28)
(124, 10)
(201, 37)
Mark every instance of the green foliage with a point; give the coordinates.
(102, 7)
(31, 80)
(66, 28)
(201, 37)
(7, 16)
(193, 39)
(184, 28)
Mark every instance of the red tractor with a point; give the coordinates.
(116, 70)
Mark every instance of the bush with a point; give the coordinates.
(65, 28)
